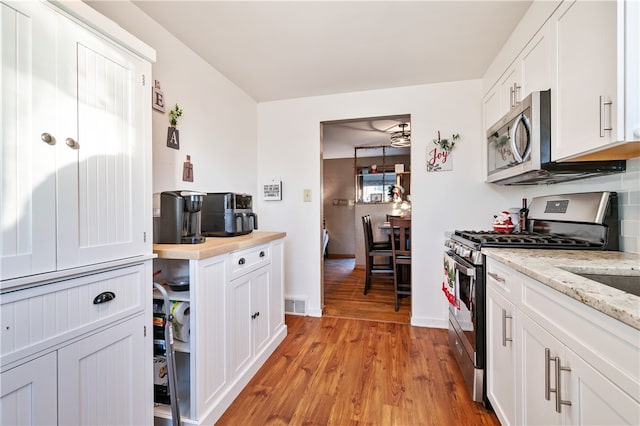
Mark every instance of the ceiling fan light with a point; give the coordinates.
(401, 139)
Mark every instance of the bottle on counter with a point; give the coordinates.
(522, 217)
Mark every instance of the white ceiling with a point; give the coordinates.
(289, 49)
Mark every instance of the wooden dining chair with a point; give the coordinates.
(401, 257)
(375, 249)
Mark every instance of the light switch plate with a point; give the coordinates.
(307, 195)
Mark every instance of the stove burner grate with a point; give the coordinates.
(522, 239)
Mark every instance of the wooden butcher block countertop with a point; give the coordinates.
(214, 246)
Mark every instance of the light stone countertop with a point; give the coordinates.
(549, 267)
(214, 246)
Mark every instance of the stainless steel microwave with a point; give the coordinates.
(519, 148)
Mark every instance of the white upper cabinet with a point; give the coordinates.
(584, 93)
(74, 173)
(27, 191)
(595, 92)
(529, 72)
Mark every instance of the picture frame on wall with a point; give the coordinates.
(173, 138)
(272, 191)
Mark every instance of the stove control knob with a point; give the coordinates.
(465, 252)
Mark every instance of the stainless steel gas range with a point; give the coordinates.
(583, 221)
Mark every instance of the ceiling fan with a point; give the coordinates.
(402, 138)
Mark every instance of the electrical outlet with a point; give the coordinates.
(307, 195)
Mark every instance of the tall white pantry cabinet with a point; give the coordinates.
(75, 247)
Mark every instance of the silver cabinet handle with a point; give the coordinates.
(496, 277)
(547, 378)
(603, 105)
(547, 371)
(72, 143)
(47, 138)
(511, 98)
(505, 339)
(516, 89)
(559, 401)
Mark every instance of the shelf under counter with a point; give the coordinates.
(214, 246)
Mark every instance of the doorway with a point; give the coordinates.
(358, 177)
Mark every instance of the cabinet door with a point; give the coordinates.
(534, 408)
(510, 88)
(28, 393)
(491, 108)
(583, 70)
(209, 330)
(260, 288)
(27, 162)
(239, 336)
(535, 62)
(594, 398)
(100, 180)
(501, 356)
(102, 380)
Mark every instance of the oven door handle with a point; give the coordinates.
(469, 271)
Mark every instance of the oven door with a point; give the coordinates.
(466, 337)
(463, 310)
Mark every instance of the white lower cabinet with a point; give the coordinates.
(501, 387)
(100, 378)
(553, 360)
(237, 320)
(28, 393)
(75, 352)
(248, 318)
(538, 406)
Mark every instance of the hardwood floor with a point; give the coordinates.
(342, 369)
(336, 371)
(344, 298)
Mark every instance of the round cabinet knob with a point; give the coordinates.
(72, 143)
(262, 254)
(47, 138)
(241, 261)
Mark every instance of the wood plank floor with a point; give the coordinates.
(344, 294)
(336, 370)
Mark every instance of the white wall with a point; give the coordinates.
(289, 148)
(218, 128)
(627, 185)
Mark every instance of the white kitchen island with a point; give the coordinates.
(236, 297)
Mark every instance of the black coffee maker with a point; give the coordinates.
(179, 220)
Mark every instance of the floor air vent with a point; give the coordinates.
(295, 306)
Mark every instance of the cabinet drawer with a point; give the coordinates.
(36, 318)
(244, 261)
(504, 280)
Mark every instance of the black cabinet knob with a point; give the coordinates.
(104, 297)
(262, 254)
(241, 261)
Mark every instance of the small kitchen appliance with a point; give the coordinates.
(180, 218)
(519, 148)
(583, 221)
(228, 214)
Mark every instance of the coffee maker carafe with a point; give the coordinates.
(179, 221)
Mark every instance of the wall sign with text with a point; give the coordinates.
(272, 191)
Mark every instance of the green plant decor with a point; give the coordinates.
(174, 114)
(446, 144)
